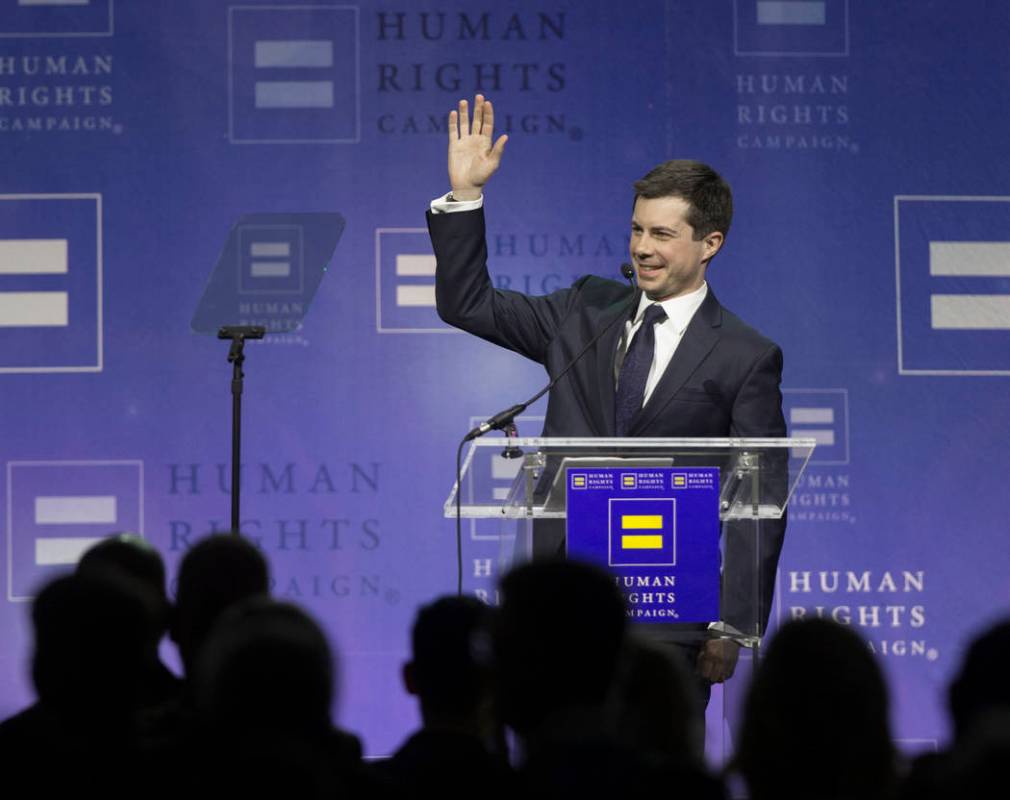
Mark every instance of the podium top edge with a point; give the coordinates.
(638, 443)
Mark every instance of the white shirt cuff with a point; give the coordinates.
(443, 205)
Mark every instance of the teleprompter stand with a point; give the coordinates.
(238, 334)
(264, 282)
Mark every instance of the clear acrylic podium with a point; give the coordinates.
(521, 483)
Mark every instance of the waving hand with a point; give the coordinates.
(473, 155)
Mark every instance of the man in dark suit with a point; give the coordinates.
(672, 361)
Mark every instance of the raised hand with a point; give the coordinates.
(473, 158)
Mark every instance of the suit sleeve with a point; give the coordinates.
(466, 298)
(753, 557)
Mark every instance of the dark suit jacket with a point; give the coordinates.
(723, 379)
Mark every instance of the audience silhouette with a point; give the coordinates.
(979, 701)
(94, 650)
(264, 688)
(659, 712)
(561, 644)
(215, 573)
(133, 556)
(815, 723)
(593, 708)
(460, 746)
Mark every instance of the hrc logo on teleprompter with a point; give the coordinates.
(293, 75)
(57, 509)
(271, 259)
(51, 283)
(642, 532)
(36, 19)
(791, 27)
(822, 415)
(952, 272)
(405, 282)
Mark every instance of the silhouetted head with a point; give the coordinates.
(560, 631)
(93, 646)
(982, 687)
(266, 667)
(815, 719)
(657, 711)
(134, 556)
(215, 573)
(451, 670)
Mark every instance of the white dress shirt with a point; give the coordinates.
(679, 312)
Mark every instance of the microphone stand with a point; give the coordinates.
(236, 357)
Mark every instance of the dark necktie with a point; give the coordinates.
(635, 370)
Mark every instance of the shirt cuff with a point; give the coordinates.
(723, 630)
(443, 205)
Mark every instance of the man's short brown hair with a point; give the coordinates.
(708, 195)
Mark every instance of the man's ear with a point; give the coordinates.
(409, 681)
(713, 243)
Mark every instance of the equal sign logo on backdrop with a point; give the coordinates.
(31, 309)
(405, 282)
(58, 509)
(952, 276)
(415, 293)
(66, 512)
(293, 74)
(311, 55)
(50, 18)
(271, 259)
(792, 12)
(822, 415)
(50, 283)
(965, 311)
(791, 27)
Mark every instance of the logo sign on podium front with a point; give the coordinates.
(656, 530)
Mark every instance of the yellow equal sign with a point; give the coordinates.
(579, 480)
(642, 541)
(629, 480)
(680, 480)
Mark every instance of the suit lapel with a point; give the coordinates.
(606, 353)
(700, 337)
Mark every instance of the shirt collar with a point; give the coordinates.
(679, 310)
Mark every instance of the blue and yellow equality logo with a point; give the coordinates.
(643, 532)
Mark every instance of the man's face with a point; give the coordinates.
(668, 261)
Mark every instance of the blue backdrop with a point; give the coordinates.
(865, 143)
